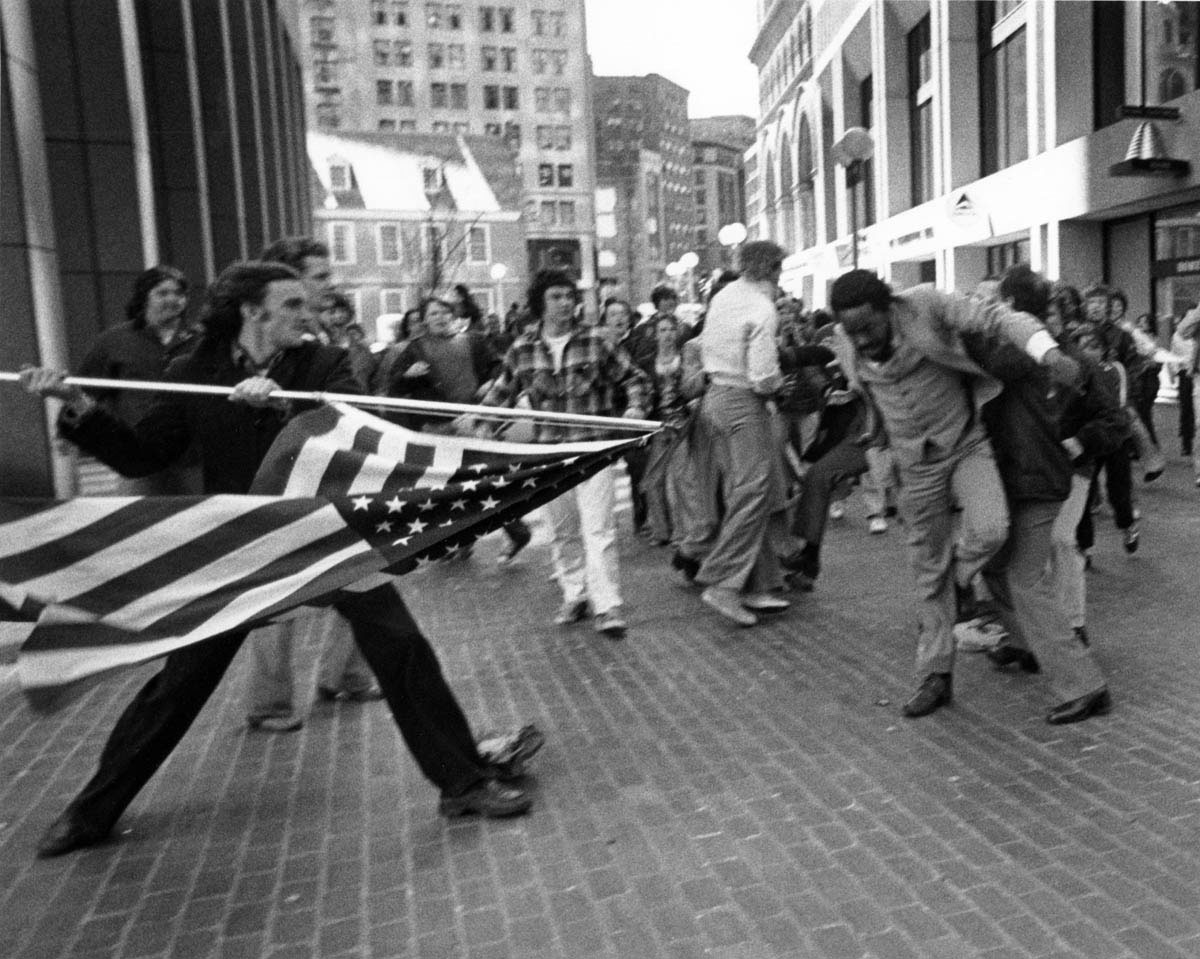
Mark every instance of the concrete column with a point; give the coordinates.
(955, 35)
(891, 124)
(135, 92)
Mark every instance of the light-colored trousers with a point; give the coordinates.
(583, 525)
(1068, 561)
(743, 558)
(271, 684)
(1026, 591)
(928, 496)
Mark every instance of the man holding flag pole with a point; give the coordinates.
(253, 322)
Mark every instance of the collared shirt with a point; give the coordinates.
(738, 343)
(926, 407)
(585, 383)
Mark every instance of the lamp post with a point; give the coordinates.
(498, 272)
(689, 261)
(854, 148)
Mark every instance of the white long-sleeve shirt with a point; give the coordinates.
(737, 347)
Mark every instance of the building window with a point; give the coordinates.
(379, 13)
(440, 126)
(701, 198)
(458, 96)
(433, 16)
(408, 126)
(508, 59)
(339, 176)
(566, 212)
(920, 111)
(325, 71)
(562, 138)
(545, 174)
(403, 53)
(437, 56)
(400, 12)
(477, 245)
(549, 213)
(383, 53)
(456, 56)
(387, 126)
(865, 187)
(321, 30)
(512, 134)
(341, 243)
(557, 24)
(404, 93)
(383, 93)
(541, 99)
(507, 18)
(566, 174)
(462, 127)
(328, 116)
(487, 19)
(492, 129)
(491, 96)
(537, 59)
(1003, 123)
(454, 20)
(437, 95)
(488, 57)
(433, 178)
(391, 301)
(389, 242)
(1003, 255)
(562, 100)
(510, 99)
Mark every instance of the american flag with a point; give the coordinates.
(342, 498)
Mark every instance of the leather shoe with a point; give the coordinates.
(506, 754)
(1077, 710)
(765, 602)
(487, 798)
(66, 834)
(934, 692)
(1006, 654)
(727, 602)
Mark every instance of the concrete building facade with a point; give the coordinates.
(996, 126)
(719, 145)
(517, 72)
(644, 173)
(408, 215)
(132, 132)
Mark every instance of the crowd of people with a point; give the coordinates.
(980, 423)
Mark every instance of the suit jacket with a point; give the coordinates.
(232, 438)
(933, 322)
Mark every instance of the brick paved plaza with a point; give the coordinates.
(703, 791)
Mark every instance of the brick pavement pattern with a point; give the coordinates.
(704, 791)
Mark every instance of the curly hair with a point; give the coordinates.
(858, 288)
(146, 281)
(238, 283)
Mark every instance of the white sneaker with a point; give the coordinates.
(877, 525)
(837, 510)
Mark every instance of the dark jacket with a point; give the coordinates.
(132, 351)
(232, 438)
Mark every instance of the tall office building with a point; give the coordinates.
(518, 72)
(132, 132)
(644, 180)
(719, 145)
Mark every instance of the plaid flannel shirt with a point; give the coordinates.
(586, 383)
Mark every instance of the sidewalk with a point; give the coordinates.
(704, 791)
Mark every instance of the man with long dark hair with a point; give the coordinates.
(254, 324)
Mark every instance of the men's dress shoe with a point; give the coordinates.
(275, 724)
(519, 536)
(611, 623)
(569, 613)
(686, 565)
(802, 569)
(1077, 710)
(66, 834)
(506, 754)
(1006, 654)
(487, 798)
(934, 692)
(728, 603)
(765, 602)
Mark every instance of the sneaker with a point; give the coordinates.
(570, 613)
(765, 602)
(877, 525)
(611, 624)
(1131, 538)
(518, 535)
(275, 724)
(837, 510)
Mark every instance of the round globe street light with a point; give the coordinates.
(498, 272)
(854, 147)
(689, 261)
(731, 234)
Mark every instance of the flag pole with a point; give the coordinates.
(385, 402)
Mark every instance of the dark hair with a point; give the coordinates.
(146, 281)
(663, 292)
(1028, 289)
(859, 288)
(720, 281)
(1118, 296)
(545, 280)
(760, 258)
(294, 250)
(1068, 302)
(1097, 290)
(238, 283)
(820, 318)
(333, 300)
(1151, 323)
(467, 307)
(405, 326)
(614, 301)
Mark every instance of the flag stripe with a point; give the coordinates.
(314, 457)
(344, 465)
(378, 468)
(61, 520)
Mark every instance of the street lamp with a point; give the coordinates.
(499, 271)
(854, 148)
(730, 236)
